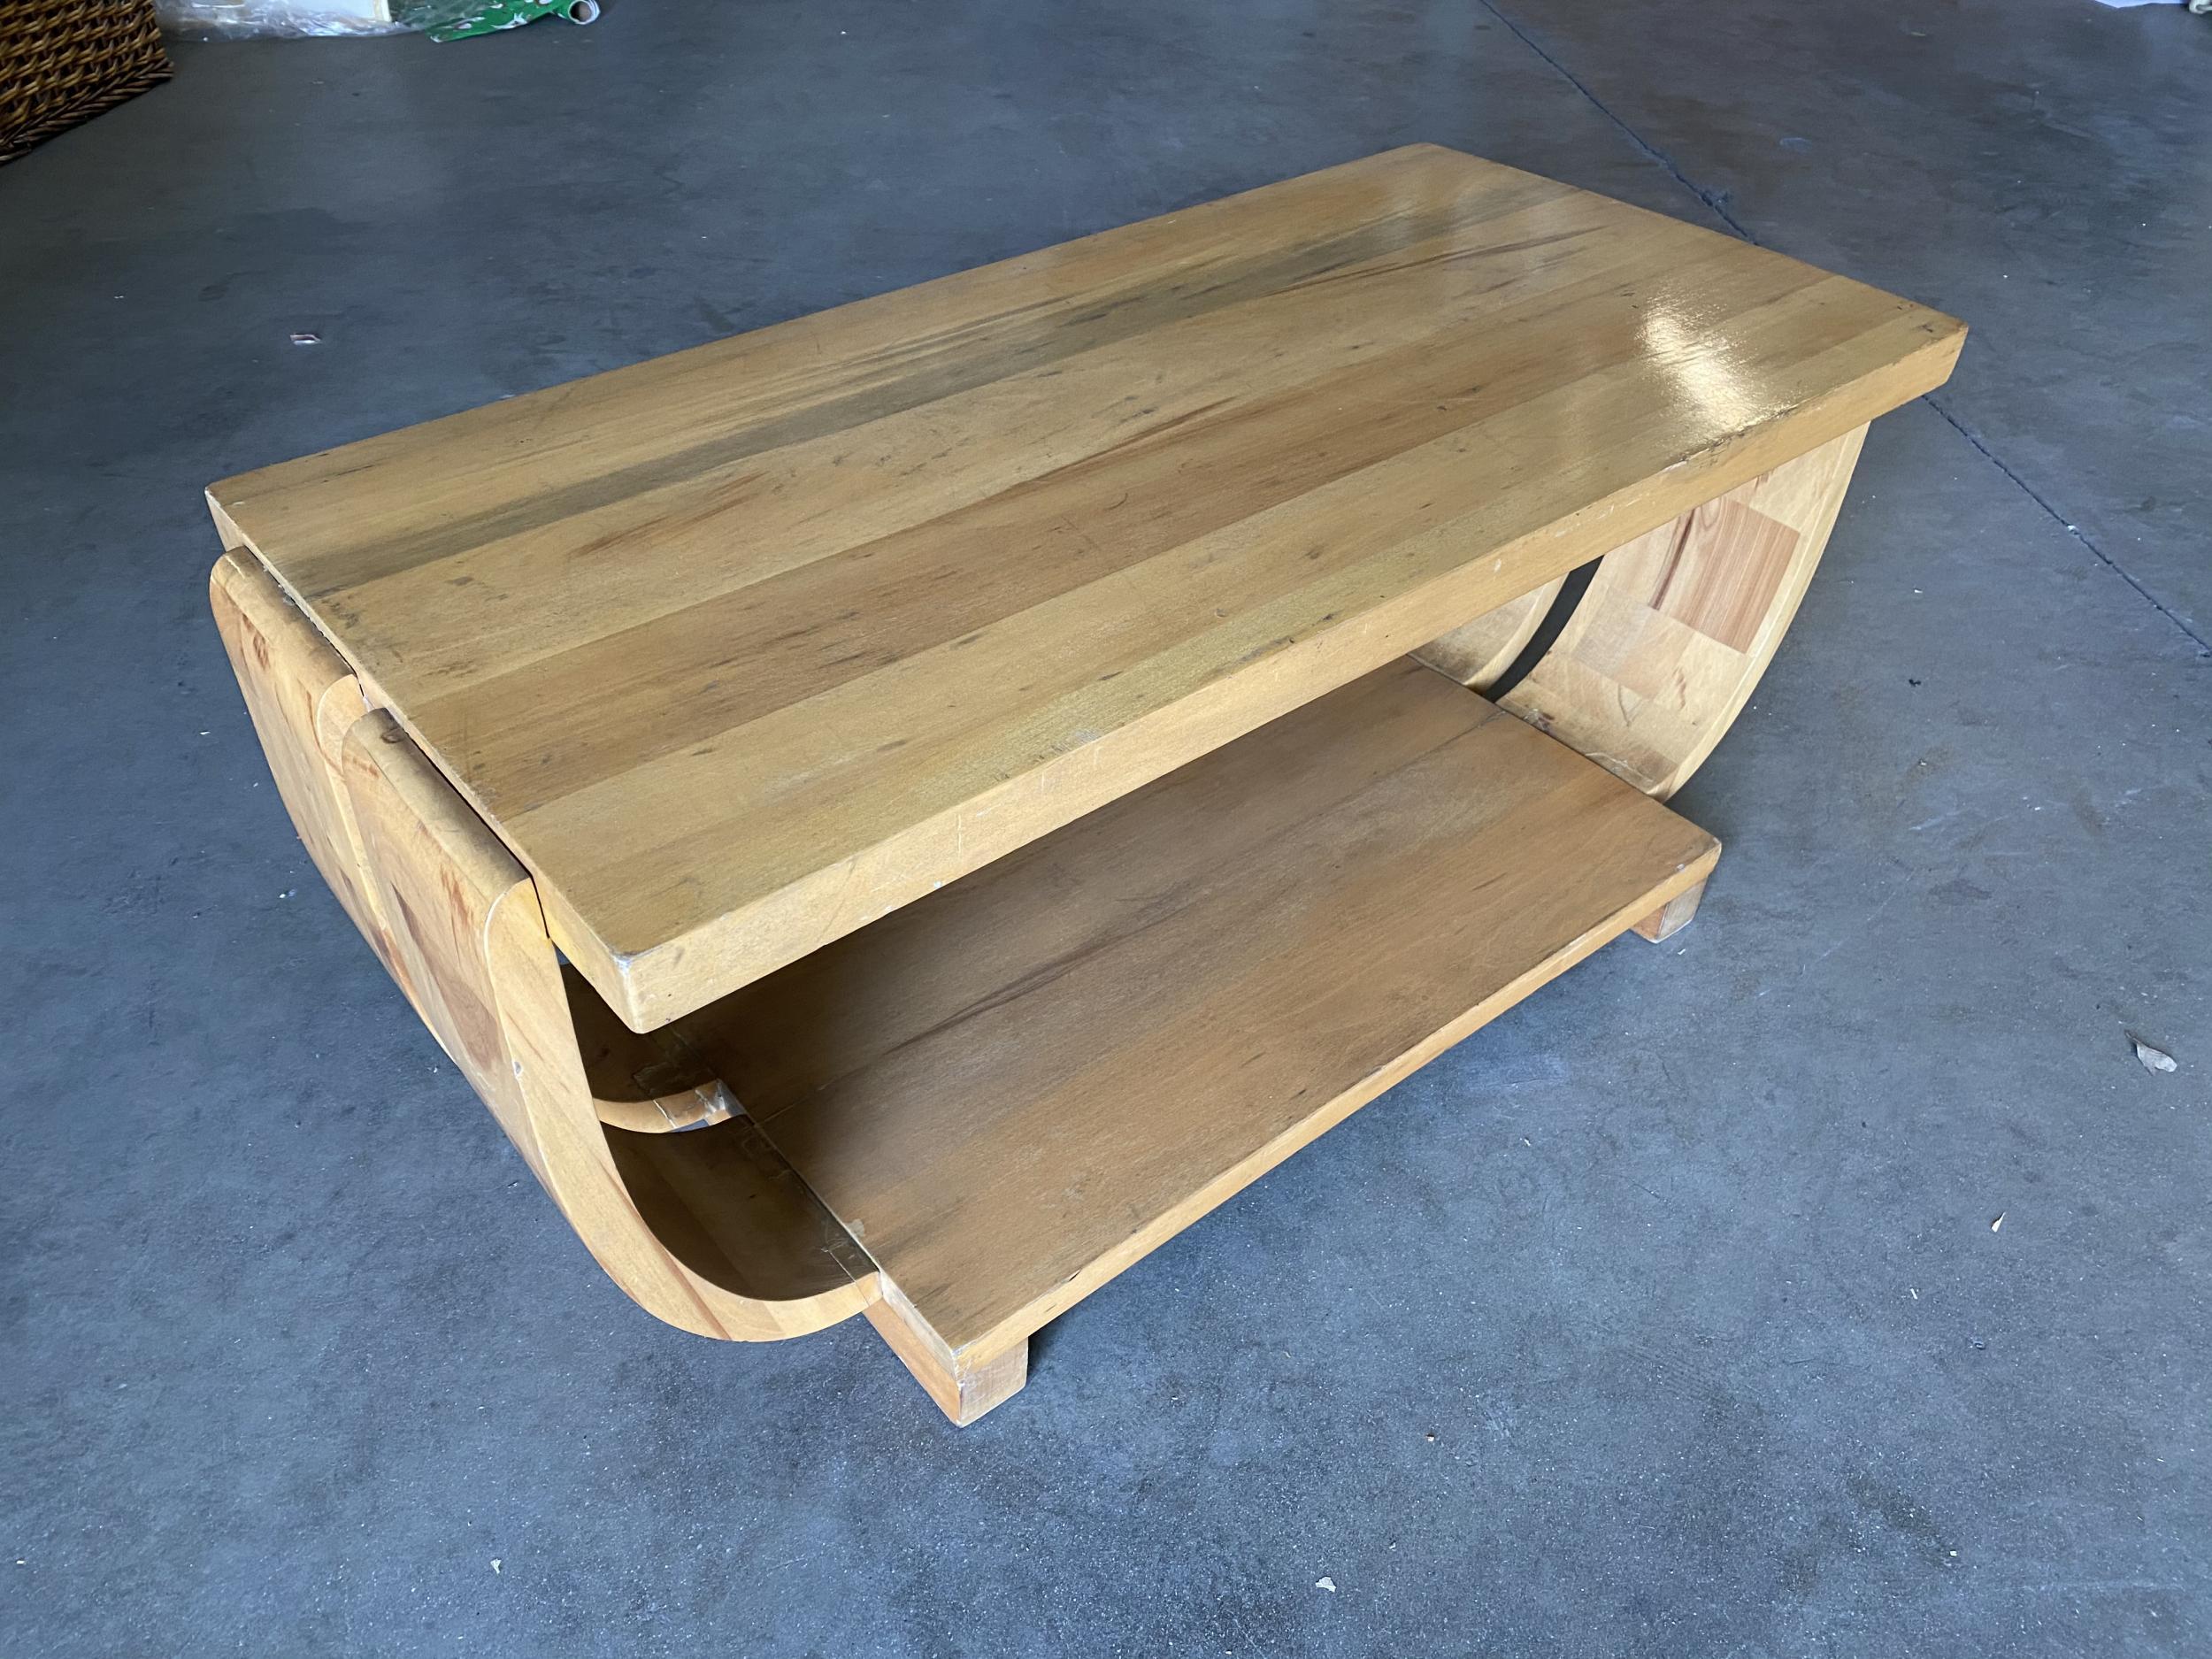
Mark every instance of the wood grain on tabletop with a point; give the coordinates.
(741, 647)
(1011, 1090)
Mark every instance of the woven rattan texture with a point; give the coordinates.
(64, 61)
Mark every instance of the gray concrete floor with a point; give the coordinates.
(1665, 1316)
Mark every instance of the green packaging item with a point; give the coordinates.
(457, 20)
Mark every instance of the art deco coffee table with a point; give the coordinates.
(901, 813)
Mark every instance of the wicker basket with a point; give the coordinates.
(64, 61)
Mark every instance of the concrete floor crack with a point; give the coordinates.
(2071, 529)
(1716, 202)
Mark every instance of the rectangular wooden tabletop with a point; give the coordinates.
(743, 648)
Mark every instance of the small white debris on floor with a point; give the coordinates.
(2152, 1059)
(1999, 1222)
(1325, 1583)
(495, 1564)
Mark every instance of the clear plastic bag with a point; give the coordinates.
(277, 17)
(441, 20)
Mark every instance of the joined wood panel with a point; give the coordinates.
(740, 648)
(1677, 626)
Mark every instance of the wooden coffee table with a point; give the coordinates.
(901, 813)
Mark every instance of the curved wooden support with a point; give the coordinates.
(647, 1085)
(1477, 653)
(1667, 644)
(707, 1230)
(710, 1238)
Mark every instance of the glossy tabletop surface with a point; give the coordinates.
(741, 647)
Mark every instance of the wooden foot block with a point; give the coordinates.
(963, 1392)
(1672, 917)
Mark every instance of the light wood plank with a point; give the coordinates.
(738, 649)
(1012, 1089)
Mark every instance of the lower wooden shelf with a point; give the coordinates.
(1012, 1089)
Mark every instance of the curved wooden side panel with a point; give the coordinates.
(702, 1230)
(1477, 653)
(1677, 626)
(302, 697)
(709, 1230)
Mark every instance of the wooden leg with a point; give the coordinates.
(963, 1391)
(1672, 917)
